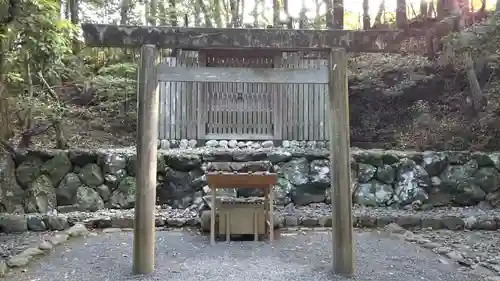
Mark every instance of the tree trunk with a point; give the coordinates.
(276, 13)
(380, 13)
(338, 14)
(197, 11)
(173, 13)
(477, 96)
(217, 13)
(153, 9)
(173, 21)
(442, 9)
(330, 23)
(241, 10)
(423, 8)
(401, 17)
(124, 11)
(234, 13)
(256, 14)
(302, 16)
(366, 15)
(206, 14)
(74, 7)
(162, 13)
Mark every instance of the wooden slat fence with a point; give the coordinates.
(304, 106)
(243, 110)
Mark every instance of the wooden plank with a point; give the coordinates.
(238, 75)
(178, 109)
(202, 103)
(241, 180)
(342, 228)
(124, 36)
(145, 193)
(163, 112)
(277, 101)
(308, 125)
(238, 136)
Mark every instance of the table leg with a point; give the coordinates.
(212, 217)
(228, 226)
(271, 213)
(255, 226)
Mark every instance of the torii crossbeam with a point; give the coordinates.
(187, 38)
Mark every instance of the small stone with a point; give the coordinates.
(455, 256)
(183, 144)
(470, 222)
(325, 221)
(33, 252)
(18, 261)
(285, 144)
(431, 223)
(159, 222)
(192, 143)
(56, 222)
(291, 221)
(164, 144)
(442, 250)
(122, 222)
(431, 245)
(453, 223)
(486, 224)
(3, 268)
(310, 222)
(435, 181)
(77, 230)
(174, 144)
(58, 239)
(45, 246)
(223, 143)
(111, 230)
(232, 144)
(13, 223)
(211, 143)
(395, 228)
(267, 144)
(36, 223)
(176, 222)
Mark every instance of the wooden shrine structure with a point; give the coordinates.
(333, 44)
(244, 111)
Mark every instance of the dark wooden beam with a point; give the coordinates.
(103, 35)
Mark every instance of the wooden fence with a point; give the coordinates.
(253, 108)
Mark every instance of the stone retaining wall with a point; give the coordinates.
(78, 180)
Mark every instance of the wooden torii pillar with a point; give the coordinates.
(336, 42)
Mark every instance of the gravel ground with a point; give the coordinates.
(14, 243)
(470, 248)
(296, 256)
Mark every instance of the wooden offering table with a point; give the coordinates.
(236, 216)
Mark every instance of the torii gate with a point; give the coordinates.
(336, 42)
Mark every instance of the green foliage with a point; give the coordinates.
(114, 90)
(125, 70)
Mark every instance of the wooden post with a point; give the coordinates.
(147, 133)
(342, 230)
